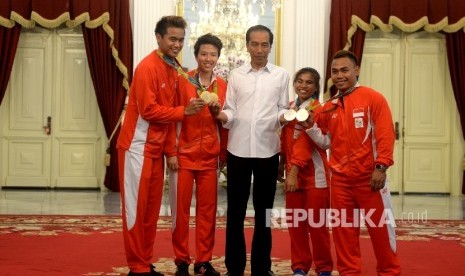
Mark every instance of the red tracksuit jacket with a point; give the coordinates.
(201, 138)
(359, 138)
(150, 108)
(298, 148)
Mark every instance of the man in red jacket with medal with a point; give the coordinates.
(140, 143)
(361, 130)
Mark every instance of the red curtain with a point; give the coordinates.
(9, 38)
(8, 43)
(108, 38)
(342, 34)
(110, 85)
(455, 43)
(350, 18)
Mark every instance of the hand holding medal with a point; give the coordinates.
(194, 106)
(208, 97)
(215, 108)
(300, 115)
(290, 114)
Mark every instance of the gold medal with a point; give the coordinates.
(213, 97)
(206, 96)
(301, 115)
(290, 115)
(203, 93)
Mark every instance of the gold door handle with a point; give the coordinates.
(48, 127)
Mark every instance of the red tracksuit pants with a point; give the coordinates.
(344, 200)
(314, 202)
(141, 188)
(205, 214)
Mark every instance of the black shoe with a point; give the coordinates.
(205, 269)
(153, 272)
(182, 270)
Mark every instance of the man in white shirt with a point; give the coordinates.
(256, 99)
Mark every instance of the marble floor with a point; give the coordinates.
(82, 202)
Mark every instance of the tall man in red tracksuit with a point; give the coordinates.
(360, 127)
(140, 143)
(193, 155)
(307, 179)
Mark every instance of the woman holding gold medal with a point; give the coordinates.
(193, 152)
(307, 178)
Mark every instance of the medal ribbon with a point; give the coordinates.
(202, 88)
(174, 63)
(308, 107)
(337, 96)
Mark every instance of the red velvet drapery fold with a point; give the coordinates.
(9, 38)
(350, 18)
(8, 44)
(111, 104)
(108, 39)
(455, 43)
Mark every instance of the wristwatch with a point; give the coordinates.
(381, 167)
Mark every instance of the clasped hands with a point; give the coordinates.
(197, 104)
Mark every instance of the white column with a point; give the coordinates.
(305, 35)
(288, 35)
(145, 14)
(310, 50)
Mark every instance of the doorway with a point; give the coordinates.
(52, 134)
(411, 71)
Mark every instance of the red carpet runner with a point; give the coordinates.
(92, 245)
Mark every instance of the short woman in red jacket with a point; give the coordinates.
(306, 184)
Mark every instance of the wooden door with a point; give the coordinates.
(26, 147)
(52, 133)
(427, 122)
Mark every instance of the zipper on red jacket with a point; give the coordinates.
(347, 135)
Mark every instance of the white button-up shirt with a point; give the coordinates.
(255, 99)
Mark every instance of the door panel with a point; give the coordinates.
(380, 70)
(78, 106)
(77, 143)
(427, 118)
(26, 162)
(26, 144)
(27, 107)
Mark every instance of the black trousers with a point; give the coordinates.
(239, 176)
